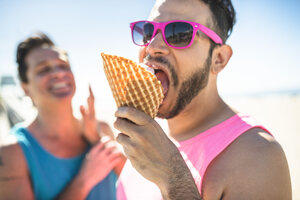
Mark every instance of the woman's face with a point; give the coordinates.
(50, 79)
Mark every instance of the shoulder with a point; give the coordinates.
(12, 160)
(14, 174)
(256, 146)
(255, 142)
(254, 166)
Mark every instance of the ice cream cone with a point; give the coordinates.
(132, 85)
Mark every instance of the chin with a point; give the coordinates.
(163, 113)
(160, 116)
(164, 109)
(63, 96)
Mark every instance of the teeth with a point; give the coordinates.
(59, 85)
(149, 69)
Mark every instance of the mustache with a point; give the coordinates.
(158, 59)
(165, 62)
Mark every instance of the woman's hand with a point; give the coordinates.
(90, 124)
(98, 163)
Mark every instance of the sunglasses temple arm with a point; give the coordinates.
(211, 34)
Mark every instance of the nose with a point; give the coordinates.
(58, 72)
(157, 46)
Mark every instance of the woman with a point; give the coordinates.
(52, 157)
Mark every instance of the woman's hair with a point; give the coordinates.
(35, 41)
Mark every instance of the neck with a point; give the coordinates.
(205, 111)
(56, 122)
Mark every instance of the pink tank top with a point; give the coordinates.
(198, 152)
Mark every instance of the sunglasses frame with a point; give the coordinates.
(162, 25)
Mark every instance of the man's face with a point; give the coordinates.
(49, 76)
(184, 73)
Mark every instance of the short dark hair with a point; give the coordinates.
(224, 17)
(35, 41)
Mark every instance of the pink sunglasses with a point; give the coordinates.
(178, 34)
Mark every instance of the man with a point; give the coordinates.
(51, 158)
(216, 153)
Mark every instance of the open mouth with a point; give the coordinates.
(163, 78)
(161, 74)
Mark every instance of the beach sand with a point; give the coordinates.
(281, 116)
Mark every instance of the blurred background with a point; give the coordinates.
(261, 79)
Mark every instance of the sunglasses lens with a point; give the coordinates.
(142, 33)
(179, 34)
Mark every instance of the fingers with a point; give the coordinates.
(114, 162)
(89, 111)
(110, 156)
(126, 127)
(91, 92)
(98, 147)
(105, 146)
(105, 130)
(106, 152)
(127, 143)
(134, 115)
(82, 111)
(123, 139)
(91, 97)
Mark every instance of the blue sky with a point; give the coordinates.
(265, 40)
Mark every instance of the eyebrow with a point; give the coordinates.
(45, 62)
(40, 63)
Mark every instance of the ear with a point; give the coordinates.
(220, 58)
(25, 88)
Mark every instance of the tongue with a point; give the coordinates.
(162, 77)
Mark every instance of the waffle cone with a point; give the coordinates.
(132, 85)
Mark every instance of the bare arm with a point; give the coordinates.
(265, 174)
(14, 176)
(180, 184)
(154, 155)
(253, 167)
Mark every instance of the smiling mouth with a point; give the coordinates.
(60, 88)
(59, 85)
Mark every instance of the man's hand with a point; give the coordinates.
(154, 155)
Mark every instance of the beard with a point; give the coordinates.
(189, 89)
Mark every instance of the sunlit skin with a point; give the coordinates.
(142, 138)
(51, 87)
(49, 74)
(243, 169)
(186, 62)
